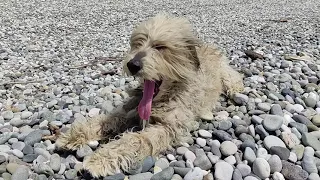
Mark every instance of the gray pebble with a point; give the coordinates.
(272, 122)
(85, 150)
(271, 140)
(223, 170)
(261, 168)
(293, 172)
(308, 162)
(282, 152)
(228, 148)
(244, 169)
(163, 163)
(55, 162)
(33, 137)
(275, 163)
(249, 155)
(141, 176)
(22, 173)
(194, 174)
(18, 145)
(202, 160)
(165, 174)
(71, 174)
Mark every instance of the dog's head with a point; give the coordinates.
(162, 48)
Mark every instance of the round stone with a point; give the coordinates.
(204, 133)
(189, 155)
(264, 106)
(275, 163)
(272, 122)
(261, 168)
(282, 152)
(249, 155)
(223, 170)
(228, 148)
(244, 169)
(271, 140)
(201, 142)
(182, 150)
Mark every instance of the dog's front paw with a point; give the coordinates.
(100, 165)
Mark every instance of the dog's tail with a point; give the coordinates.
(232, 80)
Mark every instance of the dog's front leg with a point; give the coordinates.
(132, 148)
(100, 127)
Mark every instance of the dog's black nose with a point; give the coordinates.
(135, 64)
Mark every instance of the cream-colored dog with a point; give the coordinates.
(182, 79)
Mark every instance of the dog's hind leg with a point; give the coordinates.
(232, 80)
(129, 150)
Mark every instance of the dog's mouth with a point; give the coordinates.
(150, 90)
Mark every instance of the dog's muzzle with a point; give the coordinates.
(135, 64)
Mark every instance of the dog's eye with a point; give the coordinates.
(159, 48)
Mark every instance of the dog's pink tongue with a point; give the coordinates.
(144, 107)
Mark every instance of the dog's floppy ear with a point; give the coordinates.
(193, 52)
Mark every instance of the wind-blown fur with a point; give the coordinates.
(193, 76)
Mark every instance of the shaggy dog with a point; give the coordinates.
(182, 79)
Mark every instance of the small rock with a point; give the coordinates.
(261, 168)
(271, 140)
(275, 163)
(240, 99)
(194, 174)
(244, 169)
(33, 137)
(314, 176)
(165, 174)
(94, 112)
(316, 120)
(309, 140)
(277, 176)
(249, 155)
(176, 177)
(71, 174)
(202, 160)
(21, 173)
(12, 167)
(5, 137)
(204, 133)
(7, 115)
(308, 162)
(282, 152)
(85, 150)
(228, 148)
(272, 122)
(290, 139)
(201, 142)
(182, 150)
(55, 162)
(26, 114)
(170, 157)
(163, 163)
(148, 163)
(223, 171)
(118, 176)
(293, 172)
(182, 171)
(17, 153)
(298, 150)
(189, 155)
(141, 176)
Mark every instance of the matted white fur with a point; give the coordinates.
(193, 76)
